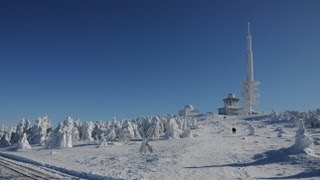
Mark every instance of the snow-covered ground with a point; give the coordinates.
(260, 149)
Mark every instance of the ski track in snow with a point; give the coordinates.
(257, 150)
(20, 170)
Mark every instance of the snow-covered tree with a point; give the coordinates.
(144, 125)
(22, 127)
(172, 129)
(103, 142)
(6, 137)
(76, 130)
(136, 130)
(23, 143)
(40, 131)
(61, 137)
(155, 128)
(311, 118)
(186, 133)
(117, 125)
(99, 130)
(127, 131)
(111, 136)
(86, 131)
(303, 142)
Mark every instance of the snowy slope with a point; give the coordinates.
(259, 149)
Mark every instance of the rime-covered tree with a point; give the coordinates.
(86, 131)
(155, 128)
(23, 143)
(117, 125)
(22, 127)
(62, 135)
(6, 137)
(40, 131)
(99, 130)
(127, 131)
(76, 130)
(103, 142)
(144, 124)
(111, 136)
(303, 142)
(172, 129)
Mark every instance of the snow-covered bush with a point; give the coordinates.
(303, 142)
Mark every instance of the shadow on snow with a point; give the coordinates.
(282, 156)
(305, 174)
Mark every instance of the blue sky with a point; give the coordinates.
(99, 59)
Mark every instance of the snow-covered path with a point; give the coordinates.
(10, 169)
(216, 152)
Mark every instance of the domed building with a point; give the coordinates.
(188, 110)
(231, 106)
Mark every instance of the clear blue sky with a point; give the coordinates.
(99, 59)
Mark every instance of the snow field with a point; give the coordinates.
(214, 152)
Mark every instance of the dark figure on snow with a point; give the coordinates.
(234, 130)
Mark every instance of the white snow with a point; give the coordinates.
(255, 151)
